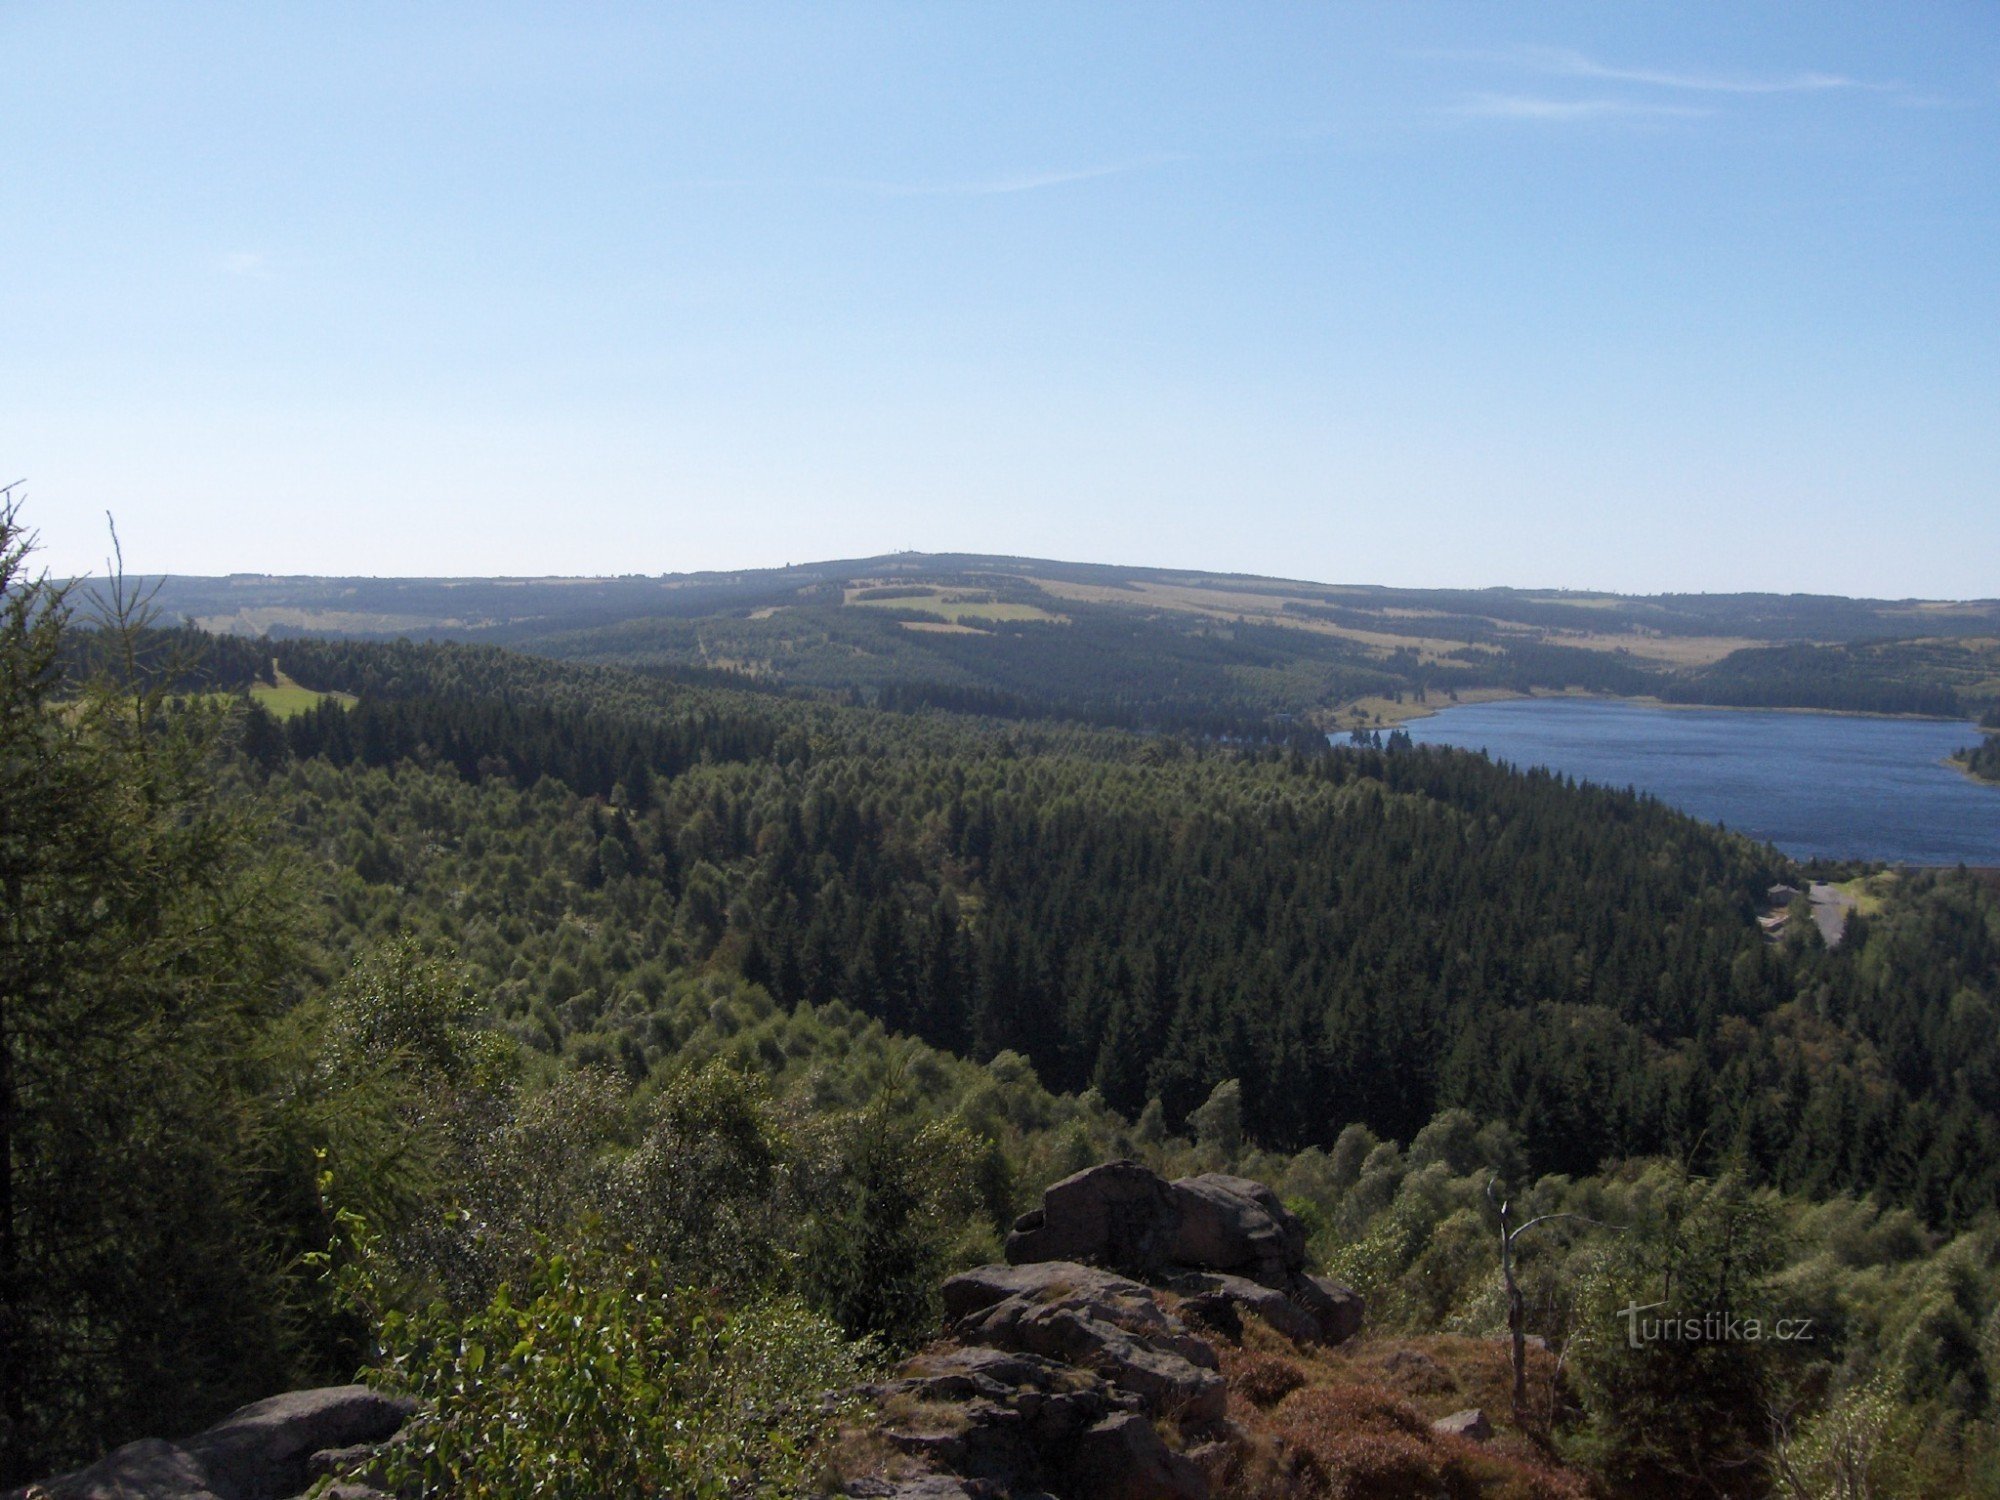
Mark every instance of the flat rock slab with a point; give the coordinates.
(975, 1290)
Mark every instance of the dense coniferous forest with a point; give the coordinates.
(1355, 935)
(777, 999)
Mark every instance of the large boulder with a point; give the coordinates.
(1470, 1423)
(1338, 1311)
(1233, 1224)
(1120, 1214)
(151, 1467)
(264, 1451)
(1126, 1216)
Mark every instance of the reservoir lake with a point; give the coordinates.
(1816, 785)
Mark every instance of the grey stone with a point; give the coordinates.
(1123, 1458)
(337, 1462)
(1470, 1423)
(1112, 1327)
(264, 1451)
(1233, 1224)
(150, 1468)
(931, 1487)
(1339, 1311)
(1212, 1294)
(1119, 1214)
(975, 1290)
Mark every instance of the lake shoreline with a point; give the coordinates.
(1389, 714)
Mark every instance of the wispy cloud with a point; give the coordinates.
(250, 264)
(1017, 182)
(1568, 63)
(1029, 181)
(1531, 107)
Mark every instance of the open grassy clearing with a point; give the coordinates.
(1259, 609)
(1668, 650)
(1868, 892)
(941, 627)
(956, 605)
(287, 696)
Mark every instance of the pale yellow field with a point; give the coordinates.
(260, 621)
(952, 604)
(1673, 650)
(1269, 608)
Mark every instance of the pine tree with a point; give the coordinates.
(137, 941)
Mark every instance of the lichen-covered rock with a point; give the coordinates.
(972, 1291)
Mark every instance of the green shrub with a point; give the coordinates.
(605, 1379)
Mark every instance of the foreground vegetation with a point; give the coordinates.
(618, 1062)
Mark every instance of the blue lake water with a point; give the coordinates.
(1816, 785)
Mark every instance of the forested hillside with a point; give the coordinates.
(1354, 935)
(1160, 649)
(771, 1008)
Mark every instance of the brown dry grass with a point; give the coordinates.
(1261, 1379)
(1269, 608)
(1354, 1423)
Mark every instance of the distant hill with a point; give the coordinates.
(1027, 637)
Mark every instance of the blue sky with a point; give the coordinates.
(1635, 297)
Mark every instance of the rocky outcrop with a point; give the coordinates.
(1216, 1235)
(1105, 1324)
(1064, 1364)
(1339, 1311)
(270, 1450)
